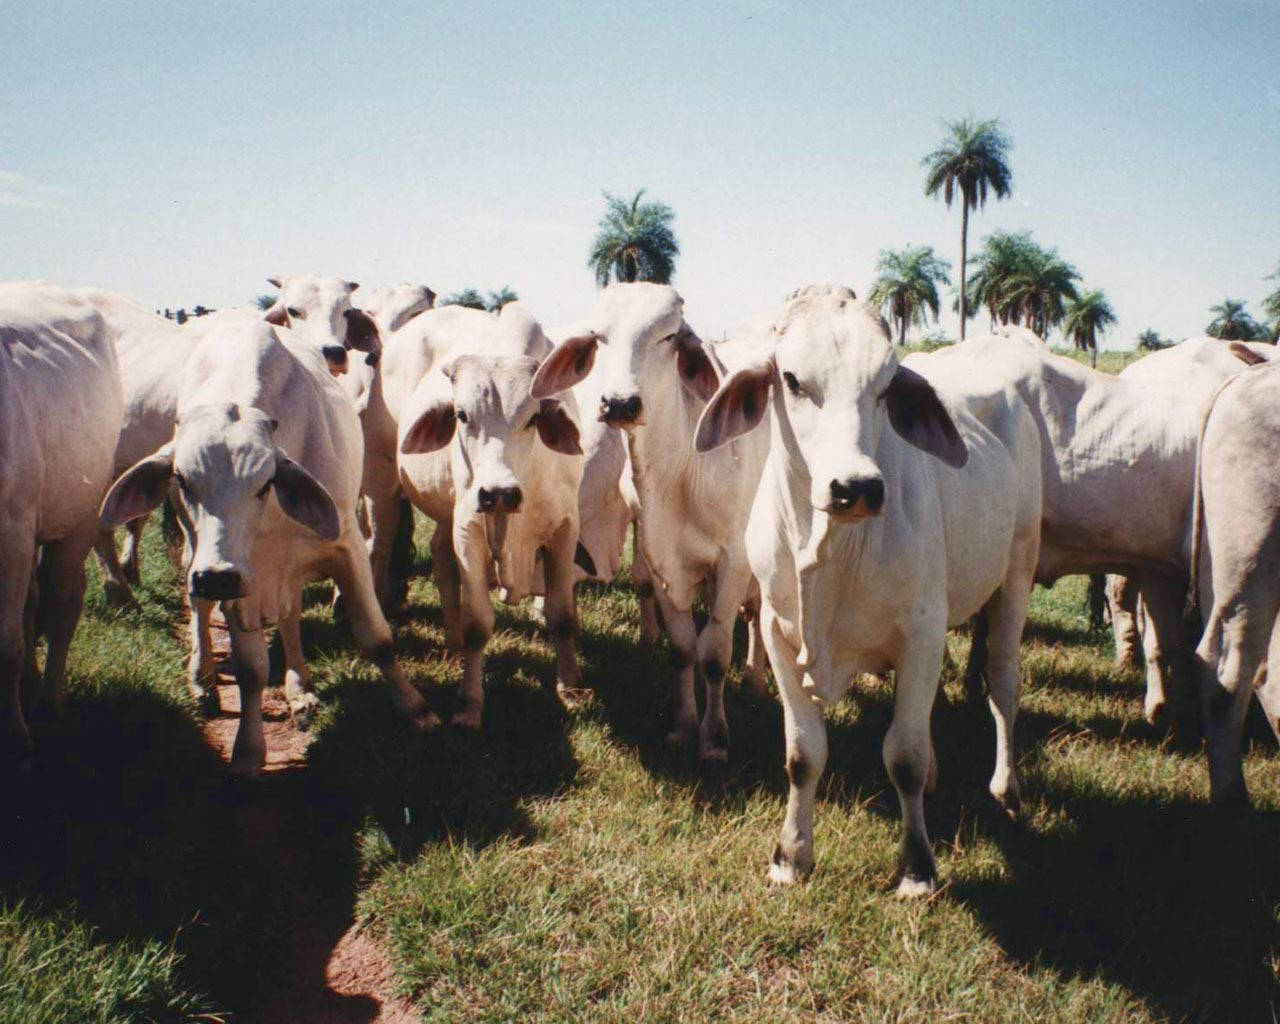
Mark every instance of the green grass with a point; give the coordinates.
(572, 867)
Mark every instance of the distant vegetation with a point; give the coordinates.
(1232, 322)
(907, 288)
(634, 242)
(473, 299)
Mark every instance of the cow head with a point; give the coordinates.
(226, 467)
(318, 309)
(642, 352)
(391, 307)
(834, 384)
(484, 407)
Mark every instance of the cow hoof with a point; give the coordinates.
(682, 737)
(302, 710)
(785, 873)
(468, 719)
(915, 888)
(208, 703)
(575, 697)
(245, 769)
(713, 754)
(1155, 712)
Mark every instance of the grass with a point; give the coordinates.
(572, 867)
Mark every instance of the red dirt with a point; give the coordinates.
(324, 969)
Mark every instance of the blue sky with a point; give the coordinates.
(181, 156)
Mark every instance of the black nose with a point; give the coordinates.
(506, 498)
(845, 494)
(216, 584)
(335, 355)
(620, 410)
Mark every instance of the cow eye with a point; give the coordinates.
(462, 416)
(295, 312)
(533, 422)
(265, 487)
(670, 337)
(792, 384)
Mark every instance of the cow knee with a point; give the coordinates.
(908, 772)
(475, 636)
(799, 770)
(713, 669)
(564, 627)
(382, 652)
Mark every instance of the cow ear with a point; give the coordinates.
(736, 408)
(304, 499)
(141, 488)
(921, 419)
(277, 315)
(362, 332)
(557, 429)
(352, 286)
(274, 282)
(1245, 354)
(694, 365)
(431, 431)
(567, 364)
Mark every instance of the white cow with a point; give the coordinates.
(884, 516)
(1236, 551)
(1206, 361)
(267, 459)
(655, 377)
(60, 415)
(499, 472)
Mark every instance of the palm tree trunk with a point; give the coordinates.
(964, 258)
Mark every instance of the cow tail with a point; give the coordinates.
(1197, 506)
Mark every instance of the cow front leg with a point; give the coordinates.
(683, 637)
(249, 662)
(17, 555)
(298, 691)
(202, 673)
(131, 551)
(476, 618)
(561, 612)
(1159, 614)
(115, 587)
(753, 669)
(1122, 602)
(448, 579)
(806, 757)
(908, 757)
(642, 580)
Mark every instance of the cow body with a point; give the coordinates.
(267, 458)
(654, 377)
(868, 548)
(60, 415)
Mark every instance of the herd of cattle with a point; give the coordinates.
(883, 502)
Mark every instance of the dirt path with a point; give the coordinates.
(324, 971)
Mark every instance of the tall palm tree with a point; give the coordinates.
(634, 242)
(1020, 282)
(1231, 322)
(1150, 341)
(265, 301)
(907, 287)
(468, 297)
(500, 298)
(1003, 257)
(1086, 318)
(972, 160)
(1271, 308)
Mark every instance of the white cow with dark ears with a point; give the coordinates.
(884, 515)
(654, 377)
(267, 458)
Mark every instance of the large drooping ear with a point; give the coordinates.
(921, 419)
(697, 373)
(557, 429)
(567, 365)
(431, 431)
(352, 286)
(141, 488)
(362, 332)
(737, 407)
(1245, 354)
(277, 315)
(303, 498)
(275, 282)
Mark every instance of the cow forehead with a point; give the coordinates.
(498, 386)
(311, 291)
(224, 441)
(832, 339)
(635, 309)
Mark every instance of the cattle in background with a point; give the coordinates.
(884, 515)
(654, 377)
(499, 472)
(266, 457)
(60, 415)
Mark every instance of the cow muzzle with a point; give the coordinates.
(853, 499)
(621, 412)
(218, 584)
(336, 357)
(499, 499)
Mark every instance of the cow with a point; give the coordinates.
(884, 516)
(60, 413)
(1202, 362)
(266, 457)
(499, 472)
(1236, 559)
(655, 376)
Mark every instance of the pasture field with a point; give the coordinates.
(570, 867)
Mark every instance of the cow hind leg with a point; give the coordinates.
(298, 691)
(1006, 614)
(753, 668)
(1267, 683)
(642, 578)
(115, 585)
(131, 552)
(16, 559)
(1122, 600)
(61, 599)
(975, 669)
(448, 578)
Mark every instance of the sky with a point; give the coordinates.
(181, 154)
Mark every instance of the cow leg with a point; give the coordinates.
(17, 556)
(202, 673)
(373, 634)
(1160, 605)
(1267, 686)
(249, 662)
(806, 757)
(115, 586)
(61, 598)
(298, 691)
(683, 637)
(448, 578)
(732, 584)
(1122, 599)
(401, 569)
(131, 552)
(476, 619)
(642, 579)
(382, 505)
(561, 613)
(1006, 615)
(908, 758)
(975, 669)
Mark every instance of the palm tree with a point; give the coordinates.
(907, 287)
(1150, 341)
(500, 298)
(468, 297)
(973, 160)
(1232, 323)
(265, 301)
(634, 242)
(1003, 257)
(1020, 282)
(1086, 318)
(1271, 308)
